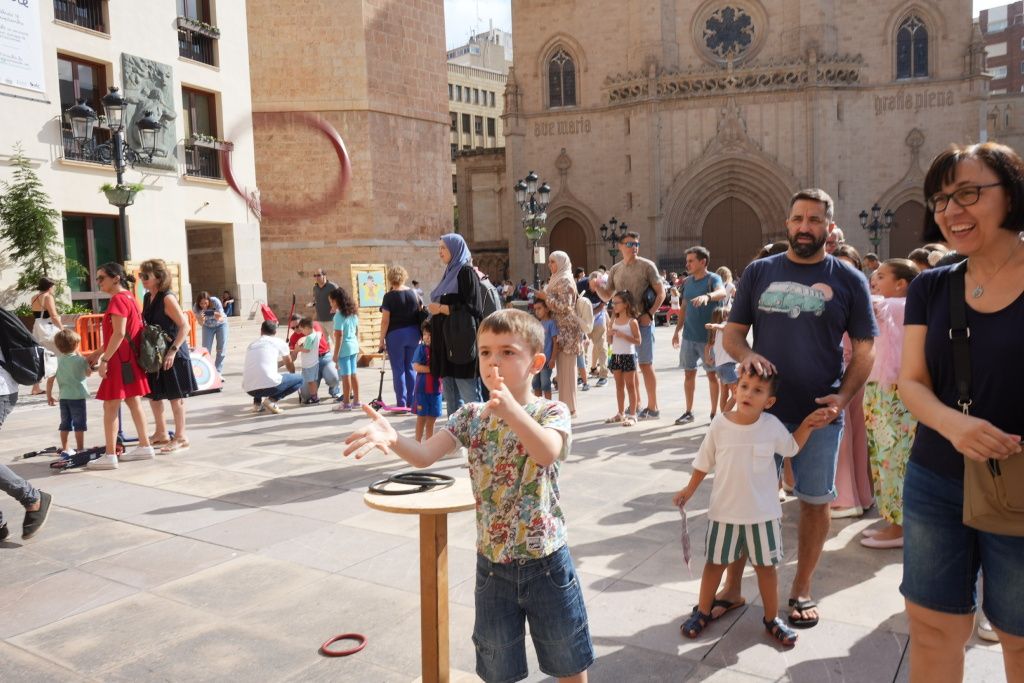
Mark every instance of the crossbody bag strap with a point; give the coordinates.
(959, 334)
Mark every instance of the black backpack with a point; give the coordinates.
(491, 298)
(23, 356)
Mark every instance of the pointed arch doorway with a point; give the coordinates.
(907, 226)
(569, 236)
(732, 233)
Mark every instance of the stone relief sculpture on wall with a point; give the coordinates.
(148, 87)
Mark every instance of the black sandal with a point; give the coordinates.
(802, 606)
(780, 632)
(697, 622)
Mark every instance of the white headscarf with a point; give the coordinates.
(564, 270)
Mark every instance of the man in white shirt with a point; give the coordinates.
(35, 502)
(262, 378)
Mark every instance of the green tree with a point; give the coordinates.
(28, 224)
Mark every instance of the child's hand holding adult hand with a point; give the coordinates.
(378, 434)
(821, 417)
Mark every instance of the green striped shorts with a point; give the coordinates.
(761, 542)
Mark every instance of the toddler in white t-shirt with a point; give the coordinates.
(744, 514)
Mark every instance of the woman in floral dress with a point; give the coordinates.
(560, 295)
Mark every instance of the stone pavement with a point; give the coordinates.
(237, 558)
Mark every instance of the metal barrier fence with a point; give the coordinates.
(90, 329)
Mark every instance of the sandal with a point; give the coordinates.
(780, 632)
(614, 419)
(629, 421)
(799, 605)
(175, 447)
(153, 441)
(697, 622)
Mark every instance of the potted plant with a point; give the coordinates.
(121, 195)
(535, 233)
(203, 140)
(199, 26)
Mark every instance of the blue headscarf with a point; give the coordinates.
(460, 256)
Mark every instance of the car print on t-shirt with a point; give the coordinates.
(793, 298)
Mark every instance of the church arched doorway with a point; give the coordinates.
(907, 225)
(732, 233)
(568, 236)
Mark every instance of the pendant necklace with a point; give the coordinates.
(979, 291)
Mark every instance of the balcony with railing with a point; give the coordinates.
(98, 150)
(85, 13)
(197, 40)
(202, 156)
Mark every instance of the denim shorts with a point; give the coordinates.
(692, 352)
(645, 350)
(545, 592)
(814, 466)
(347, 365)
(72, 415)
(941, 556)
(542, 380)
(311, 374)
(727, 373)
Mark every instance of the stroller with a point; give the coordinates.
(378, 403)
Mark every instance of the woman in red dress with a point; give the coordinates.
(123, 378)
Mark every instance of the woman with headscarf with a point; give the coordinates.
(560, 295)
(457, 293)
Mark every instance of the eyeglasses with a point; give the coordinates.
(144, 276)
(631, 245)
(101, 278)
(964, 197)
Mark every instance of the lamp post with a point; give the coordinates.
(533, 202)
(612, 236)
(83, 121)
(876, 227)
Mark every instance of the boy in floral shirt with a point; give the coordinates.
(516, 443)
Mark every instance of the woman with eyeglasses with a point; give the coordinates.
(175, 381)
(117, 365)
(975, 199)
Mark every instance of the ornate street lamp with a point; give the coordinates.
(533, 202)
(612, 236)
(876, 227)
(83, 120)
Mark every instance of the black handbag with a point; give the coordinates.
(994, 489)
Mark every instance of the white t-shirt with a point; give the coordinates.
(261, 359)
(746, 485)
(311, 357)
(7, 384)
(718, 349)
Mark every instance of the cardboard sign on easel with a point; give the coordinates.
(369, 284)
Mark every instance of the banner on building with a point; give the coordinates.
(21, 45)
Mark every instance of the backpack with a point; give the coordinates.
(152, 348)
(23, 358)
(585, 313)
(490, 296)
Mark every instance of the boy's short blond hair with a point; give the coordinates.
(66, 341)
(518, 324)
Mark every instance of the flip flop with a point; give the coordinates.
(726, 605)
(175, 447)
(159, 442)
(802, 606)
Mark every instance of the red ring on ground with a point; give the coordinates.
(358, 637)
(320, 207)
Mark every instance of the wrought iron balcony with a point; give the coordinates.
(85, 13)
(196, 40)
(202, 162)
(94, 151)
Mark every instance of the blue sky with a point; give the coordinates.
(464, 17)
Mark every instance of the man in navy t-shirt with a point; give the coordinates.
(800, 303)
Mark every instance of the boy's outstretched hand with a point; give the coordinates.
(378, 434)
(821, 417)
(502, 401)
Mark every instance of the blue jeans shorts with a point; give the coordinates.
(311, 374)
(645, 350)
(547, 593)
(347, 365)
(814, 466)
(727, 373)
(542, 380)
(692, 352)
(72, 415)
(941, 556)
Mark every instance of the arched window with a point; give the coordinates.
(912, 49)
(561, 80)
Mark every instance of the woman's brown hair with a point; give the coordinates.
(157, 268)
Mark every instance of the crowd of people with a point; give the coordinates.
(831, 377)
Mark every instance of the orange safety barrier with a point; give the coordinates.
(90, 329)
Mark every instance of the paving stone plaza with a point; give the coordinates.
(235, 559)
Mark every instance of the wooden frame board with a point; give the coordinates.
(369, 284)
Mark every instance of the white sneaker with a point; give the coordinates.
(271, 406)
(139, 453)
(257, 407)
(107, 461)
